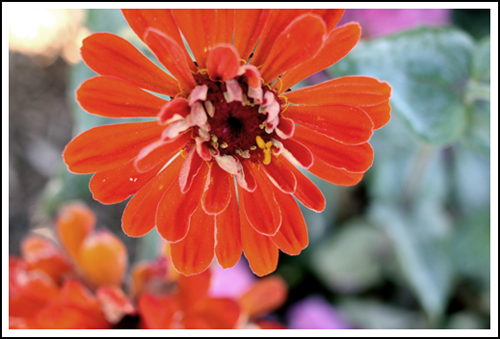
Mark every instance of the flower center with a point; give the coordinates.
(236, 124)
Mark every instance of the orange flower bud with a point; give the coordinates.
(74, 222)
(103, 259)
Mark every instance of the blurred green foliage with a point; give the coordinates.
(409, 246)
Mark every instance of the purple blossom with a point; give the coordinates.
(315, 313)
(378, 22)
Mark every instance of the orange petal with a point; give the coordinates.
(195, 252)
(261, 252)
(157, 311)
(199, 28)
(260, 206)
(307, 192)
(161, 19)
(57, 316)
(228, 234)
(217, 191)
(108, 54)
(159, 153)
(42, 254)
(225, 26)
(175, 208)
(148, 276)
(139, 214)
(266, 295)
(172, 56)
(249, 24)
(357, 158)
(336, 46)
(117, 184)
(103, 259)
(369, 94)
(292, 236)
(223, 62)
(115, 304)
(300, 41)
(331, 17)
(174, 110)
(277, 22)
(344, 123)
(189, 169)
(192, 289)
(105, 147)
(297, 153)
(337, 176)
(115, 98)
(214, 313)
(74, 222)
(281, 176)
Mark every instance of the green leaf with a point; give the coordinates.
(348, 261)
(477, 135)
(420, 241)
(481, 61)
(471, 248)
(428, 69)
(470, 181)
(373, 314)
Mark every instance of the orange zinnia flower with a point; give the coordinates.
(230, 116)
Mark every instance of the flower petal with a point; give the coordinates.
(246, 179)
(195, 252)
(213, 313)
(172, 56)
(276, 23)
(336, 46)
(199, 28)
(74, 222)
(297, 153)
(282, 177)
(117, 184)
(261, 252)
(300, 41)
(357, 158)
(108, 54)
(228, 233)
(292, 236)
(115, 98)
(157, 311)
(174, 110)
(344, 123)
(109, 146)
(331, 17)
(249, 24)
(225, 26)
(217, 192)
(260, 206)
(161, 19)
(42, 254)
(175, 210)
(139, 214)
(190, 168)
(266, 295)
(369, 94)
(191, 290)
(307, 192)
(159, 152)
(223, 62)
(115, 304)
(337, 176)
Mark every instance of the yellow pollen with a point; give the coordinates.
(266, 148)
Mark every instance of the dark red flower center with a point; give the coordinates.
(235, 125)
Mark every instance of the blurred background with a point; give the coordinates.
(408, 247)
